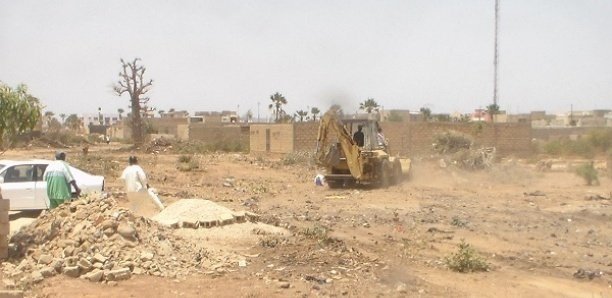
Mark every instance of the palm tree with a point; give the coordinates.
(278, 100)
(120, 111)
(314, 111)
(369, 105)
(492, 110)
(426, 112)
(301, 114)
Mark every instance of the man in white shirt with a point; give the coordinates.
(134, 176)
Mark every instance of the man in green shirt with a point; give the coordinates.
(59, 178)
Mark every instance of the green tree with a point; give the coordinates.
(54, 125)
(426, 112)
(132, 82)
(278, 100)
(301, 114)
(314, 111)
(19, 113)
(120, 111)
(369, 105)
(74, 122)
(63, 116)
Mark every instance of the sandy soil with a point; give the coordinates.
(535, 229)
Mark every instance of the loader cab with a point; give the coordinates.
(369, 129)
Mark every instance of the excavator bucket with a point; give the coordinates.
(406, 164)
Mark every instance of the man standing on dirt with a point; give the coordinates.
(59, 178)
(134, 176)
(358, 136)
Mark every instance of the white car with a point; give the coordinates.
(22, 183)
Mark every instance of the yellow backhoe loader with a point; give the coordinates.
(353, 161)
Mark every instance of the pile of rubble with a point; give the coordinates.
(94, 239)
(158, 145)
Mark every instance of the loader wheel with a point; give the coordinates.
(385, 173)
(397, 173)
(334, 184)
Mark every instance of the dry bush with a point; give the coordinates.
(466, 259)
(451, 142)
(588, 172)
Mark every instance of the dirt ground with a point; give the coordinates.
(535, 229)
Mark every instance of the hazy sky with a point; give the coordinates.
(216, 55)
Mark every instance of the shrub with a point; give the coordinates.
(186, 163)
(466, 260)
(600, 139)
(451, 142)
(581, 147)
(184, 158)
(588, 172)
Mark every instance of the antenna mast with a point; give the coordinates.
(496, 58)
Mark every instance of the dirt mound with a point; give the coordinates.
(194, 213)
(95, 239)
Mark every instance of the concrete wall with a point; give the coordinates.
(551, 133)
(168, 125)
(406, 138)
(216, 133)
(272, 138)
(416, 138)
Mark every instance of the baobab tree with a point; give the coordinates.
(132, 82)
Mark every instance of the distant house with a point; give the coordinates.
(175, 114)
(218, 117)
(480, 115)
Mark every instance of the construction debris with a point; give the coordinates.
(94, 239)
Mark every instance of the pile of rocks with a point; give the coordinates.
(94, 239)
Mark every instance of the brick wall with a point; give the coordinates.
(550, 133)
(214, 134)
(305, 136)
(406, 138)
(416, 138)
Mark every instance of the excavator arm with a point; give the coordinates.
(330, 122)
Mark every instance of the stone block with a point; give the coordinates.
(118, 274)
(72, 271)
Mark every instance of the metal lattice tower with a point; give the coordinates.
(496, 56)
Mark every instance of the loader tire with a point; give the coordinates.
(385, 174)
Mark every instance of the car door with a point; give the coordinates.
(41, 186)
(19, 187)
